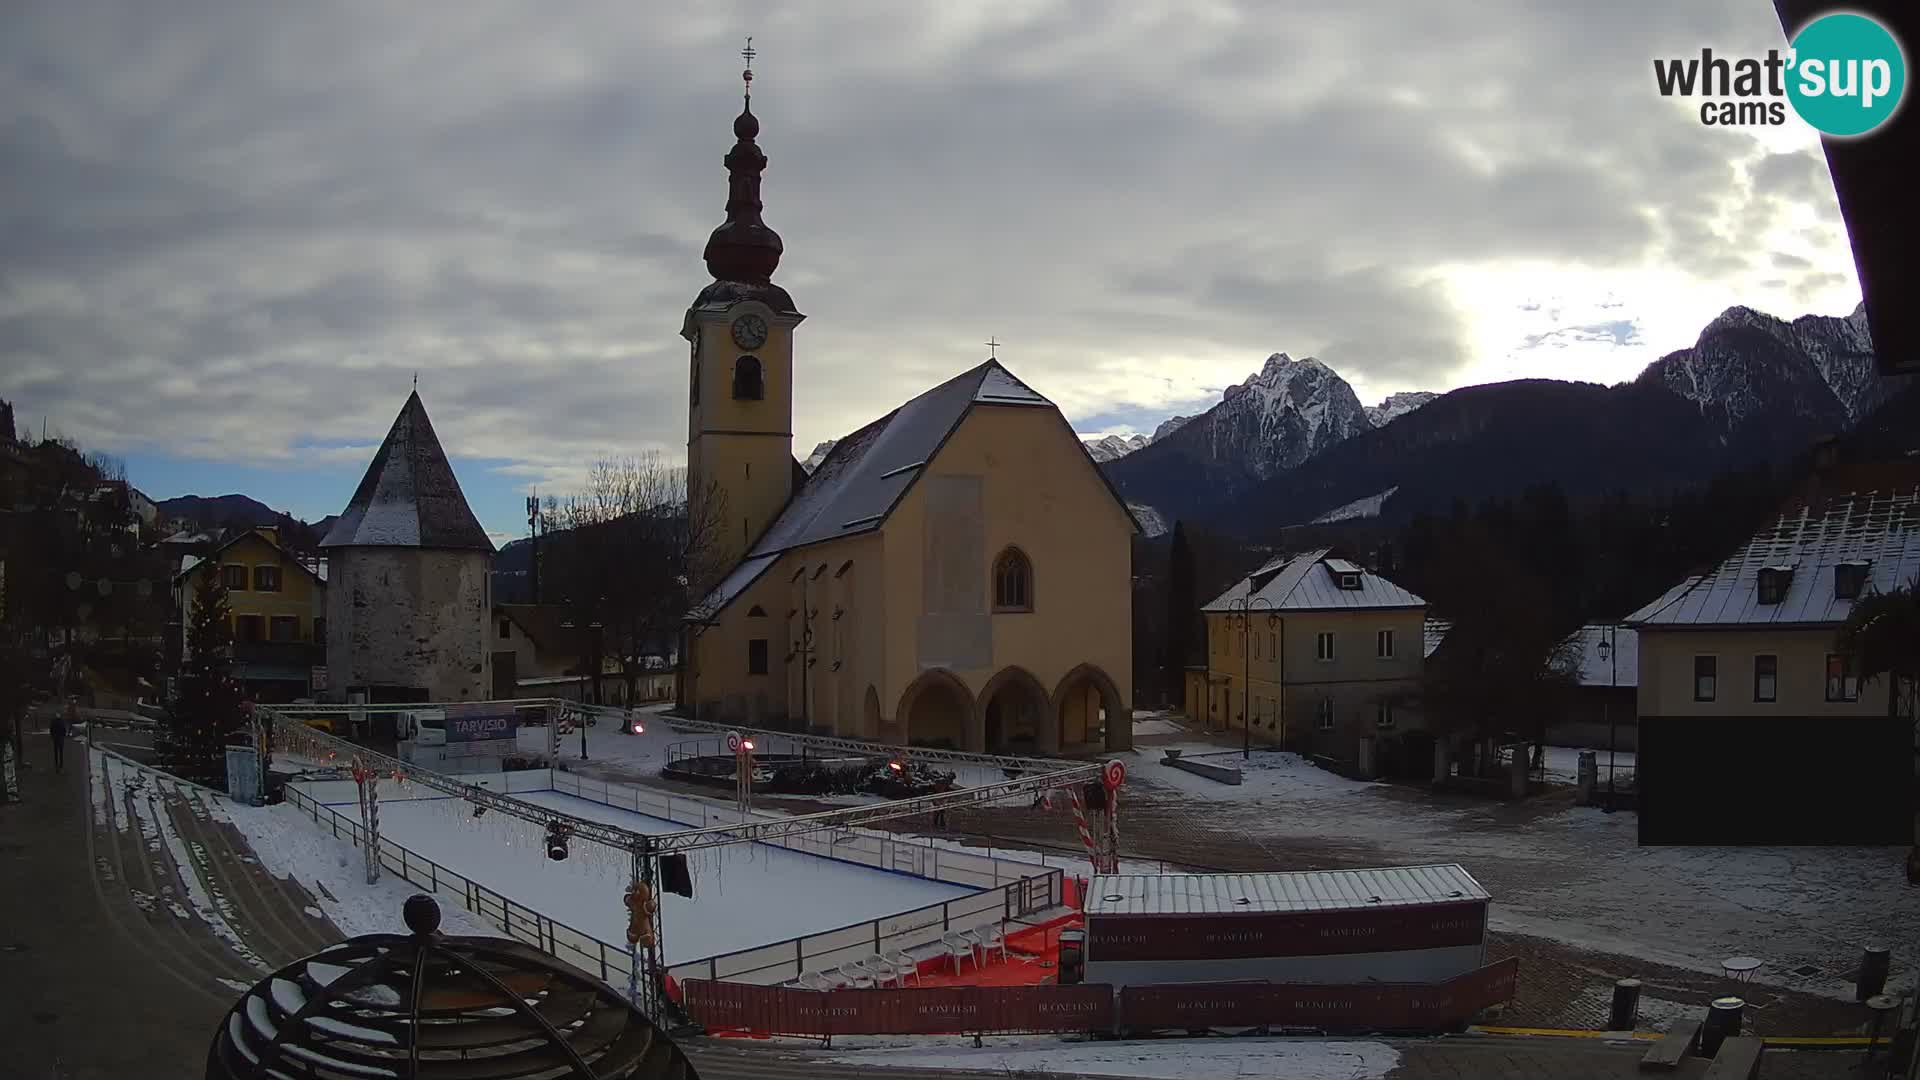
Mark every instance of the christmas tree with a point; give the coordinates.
(205, 713)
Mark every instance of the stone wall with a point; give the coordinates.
(409, 617)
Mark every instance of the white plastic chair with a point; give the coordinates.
(993, 939)
(855, 976)
(882, 971)
(904, 966)
(960, 949)
(814, 980)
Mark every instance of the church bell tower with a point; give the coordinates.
(740, 393)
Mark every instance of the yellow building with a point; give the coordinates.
(955, 573)
(278, 605)
(1319, 651)
(1753, 726)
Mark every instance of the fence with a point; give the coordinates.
(991, 1010)
(1010, 890)
(522, 923)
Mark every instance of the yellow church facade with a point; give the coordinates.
(956, 573)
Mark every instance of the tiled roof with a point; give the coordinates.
(409, 496)
(1308, 582)
(1435, 633)
(1879, 527)
(1309, 890)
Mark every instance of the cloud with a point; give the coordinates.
(237, 233)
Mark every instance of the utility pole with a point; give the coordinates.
(533, 534)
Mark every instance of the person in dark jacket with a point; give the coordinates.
(61, 726)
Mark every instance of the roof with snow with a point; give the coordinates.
(1310, 582)
(1878, 528)
(1434, 633)
(409, 496)
(856, 486)
(1620, 664)
(1311, 890)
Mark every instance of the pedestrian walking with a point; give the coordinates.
(60, 727)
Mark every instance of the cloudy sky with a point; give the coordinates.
(234, 231)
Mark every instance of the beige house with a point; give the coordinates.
(539, 651)
(955, 573)
(1320, 652)
(1739, 675)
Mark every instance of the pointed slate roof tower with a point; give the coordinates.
(409, 497)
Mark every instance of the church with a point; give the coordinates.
(957, 573)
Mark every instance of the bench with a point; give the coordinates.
(1665, 1055)
(1738, 1059)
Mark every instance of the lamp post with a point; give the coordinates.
(1611, 654)
(1241, 611)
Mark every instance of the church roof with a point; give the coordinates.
(409, 496)
(865, 475)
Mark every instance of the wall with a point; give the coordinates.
(410, 617)
(1666, 674)
(743, 447)
(1040, 492)
(1400, 966)
(1353, 679)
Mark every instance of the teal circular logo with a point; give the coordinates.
(1847, 74)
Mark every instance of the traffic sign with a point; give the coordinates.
(733, 742)
(1113, 774)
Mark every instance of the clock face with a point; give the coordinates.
(749, 331)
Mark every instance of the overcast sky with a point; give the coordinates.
(234, 231)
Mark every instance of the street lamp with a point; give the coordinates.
(1611, 655)
(1241, 611)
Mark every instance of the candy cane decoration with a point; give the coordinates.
(1086, 834)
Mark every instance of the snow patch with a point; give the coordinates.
(1367, 507)
(1161, 1059)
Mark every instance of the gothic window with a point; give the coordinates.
(1012, 582)
(748, 385)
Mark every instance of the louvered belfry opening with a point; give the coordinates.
(428, 1005)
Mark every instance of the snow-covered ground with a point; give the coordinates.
(1571, 874)
(745, 895)
(1167, 1059)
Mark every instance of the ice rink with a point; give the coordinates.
(745, 895)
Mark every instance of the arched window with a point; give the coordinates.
(748, 385)
(1012, 582)
(756, 612)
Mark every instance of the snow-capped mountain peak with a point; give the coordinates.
(819, 454)
(1114, 447)
(1398, 405)
(1747, 362)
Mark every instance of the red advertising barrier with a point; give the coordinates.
(1308, 933)
(1351, 1008)
(961, 1010)
(933, 1010)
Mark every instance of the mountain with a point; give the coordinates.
(1397, 406)
(1114, 447)
(819, 455)
(1752, 389)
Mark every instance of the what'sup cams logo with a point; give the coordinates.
(1844, 74)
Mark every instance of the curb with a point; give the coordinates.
(1782, 1042)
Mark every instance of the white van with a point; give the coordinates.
(427, 727)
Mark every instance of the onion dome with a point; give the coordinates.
(743, 249)
(425, 1005)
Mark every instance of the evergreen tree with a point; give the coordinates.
(205, 712)
(1882, 635)
(1182, 609)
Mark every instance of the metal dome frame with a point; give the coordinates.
(425, 1005)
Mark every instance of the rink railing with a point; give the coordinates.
(1009, 890)
(520, 922)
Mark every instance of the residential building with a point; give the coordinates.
(540, 651)
(957, 572)
(1753, 726)
(1603, 712)
(410, 604)
(1324, 655)
(278, 606)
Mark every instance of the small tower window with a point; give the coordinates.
(1012, 582)
(748, 385)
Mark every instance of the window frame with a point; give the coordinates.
(272, 572)
(1001, 563)
(506, 629)
(758, 383)
(1324, 718)
(1846, 683)
(1383, 718)
(759, 660)
(283, 620)
(1383, 644)
(1713, 676)
(1773, 691)
(245, 619)
(228, 571)
(1325, 650)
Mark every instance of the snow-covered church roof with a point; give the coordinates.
(409, 496)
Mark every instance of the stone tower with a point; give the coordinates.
(408, 588)
(740, 467)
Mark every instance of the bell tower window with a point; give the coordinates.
(1012, 582)
(748, 383)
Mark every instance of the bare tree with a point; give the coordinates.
(626, 554)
